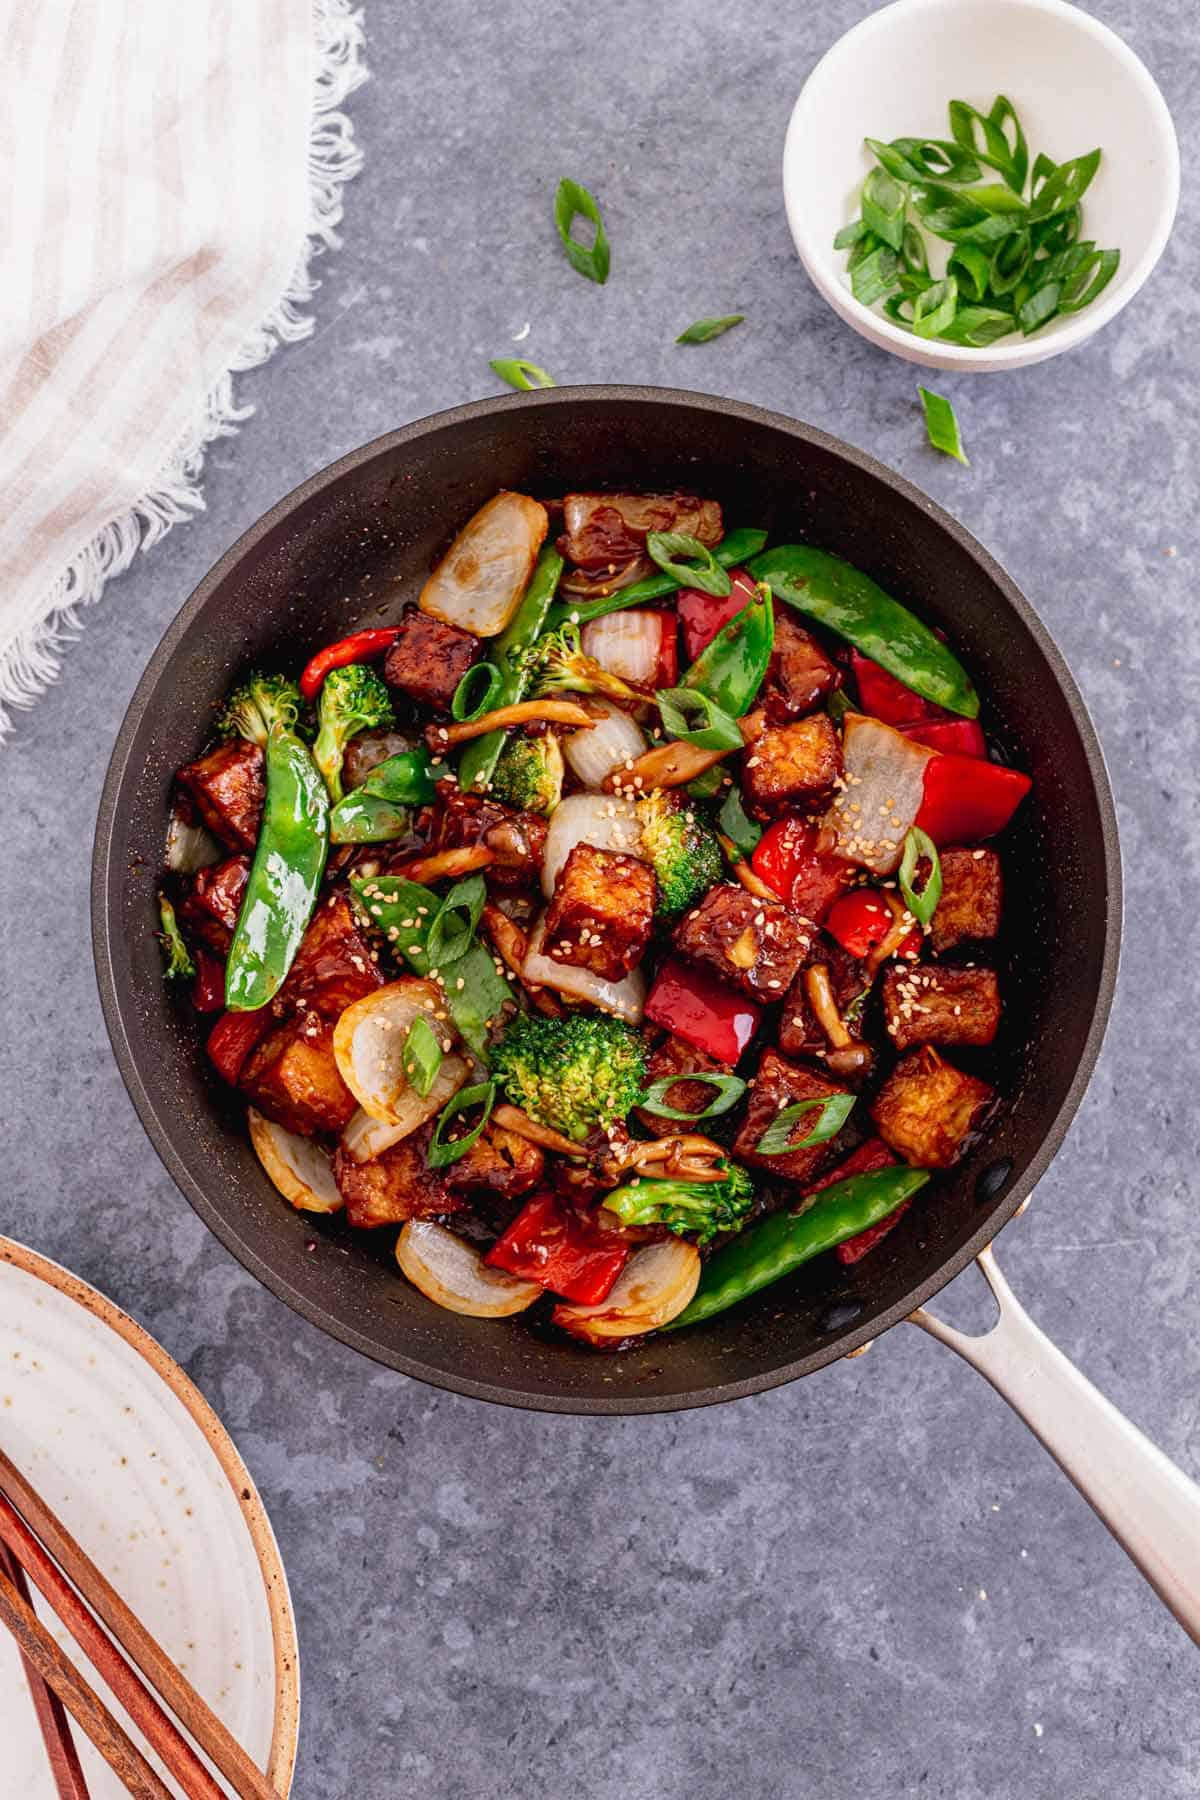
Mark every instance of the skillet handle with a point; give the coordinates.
(1151, 1507)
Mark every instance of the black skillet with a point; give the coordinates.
(346, 549)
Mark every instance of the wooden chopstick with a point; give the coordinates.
(61, 1749)
(84, 1705)
(173, 1687)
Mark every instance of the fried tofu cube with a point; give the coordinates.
(927, 1109)
(334, 965)
(800, 1031)
(674, 1057)
(930, 1004)
(602, 912)
(210, 909)
(292, 1077)
(792, 765)
(799, 674)
(754, 943)
(227, 787)
(429, 659)
(972, 897)
(779, 1084)
(393, 1186)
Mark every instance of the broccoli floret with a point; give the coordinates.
(571, 1073)
(558, 660)
(694, 1209)
(260, 702)
(529, 774)
(179, 964)
(683, 850)
(353, 699)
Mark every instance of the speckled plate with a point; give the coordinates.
(138, 1466)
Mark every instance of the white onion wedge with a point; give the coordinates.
(452, 1274)
(652, 1289)
(600, 820)
(365, 1138)
(189, 847)
(626, 999)
(482, 576)
(613, 741)
(885, 783)
(368, 1044)
(297, 1166)
(628, 644)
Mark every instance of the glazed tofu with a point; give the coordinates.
(394, 1186)
(429, 659)
(972, 897)
(674, 1057)
(799, 675)
(794, 765)
(210, 910)
(292, 1077)
(930, 1004)
(927, 1109)
(227, 787)
(800, 1034)
(602, 912)
(334, 965)
(753, 943)
(777, 1085)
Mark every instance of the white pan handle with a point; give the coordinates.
(1151, 1507)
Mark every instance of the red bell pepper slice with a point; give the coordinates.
(965, 799)
(695, 1006)
(954, 737)
(702, 615)
(868, 1158)
(860, 920)
(355, 648)
(551, 1244)
(208, 989)
(881, 695)
(785, 858)
(234, 1036)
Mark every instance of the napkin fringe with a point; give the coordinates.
(33, 659)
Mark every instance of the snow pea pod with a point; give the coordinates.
(285, 876)
(847, 602)
(531, 618)
(731, 667)
(734, 548)
(780, 1243)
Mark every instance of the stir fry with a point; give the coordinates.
(616, 930)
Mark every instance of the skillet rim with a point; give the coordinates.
(106, 902)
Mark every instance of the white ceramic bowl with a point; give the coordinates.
(1074, 85)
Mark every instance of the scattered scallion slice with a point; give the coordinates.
(742, 832)
(421, 1056)
(521, 374)
(689, 562)
(777, 1139)
(477, 692)
(730, 1089)
(717, 730)
(570, 202)
(704, 330)
(442, 1150)
(883, 204)
(942, 425)
(921, 902)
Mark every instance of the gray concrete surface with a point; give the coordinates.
(873, 1584)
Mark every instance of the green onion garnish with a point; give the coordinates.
(942, 425)
(717, 730)
(777, 1140)
(477, 692)
(689, 562)
(570, 202)
(521, 374)
(921, 902)
(730, 1089)
(742, 832)
(883, 203)
(421, 1056)
(704, 330)
(443, 1151)
(453, 926)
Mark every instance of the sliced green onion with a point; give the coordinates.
(978, 326)
(1010, 260)
(942, 424)
(777, 1140)
(521, 374)
(971, 267)
(933, 310)
(717, 732)
(1090, 279)
(892, 158)
(913, 253)
(705, 329)
(179, 964)
(741, 831)
(477, 692)
(421, 1056)
(1039, 308)
(442, 1150)
(689, 562)
(938, 158)
(984, 135)
(730, 1089)
(1042, 170)
(453, 926)
(849, 234)
(570, 202)
(1004, 113)
(875, 276)
(921, 902)
(883, 203)
(1067, 186)
(866, 246)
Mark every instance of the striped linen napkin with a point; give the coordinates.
(172, 167)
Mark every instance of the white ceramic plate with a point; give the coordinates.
(138, 1466)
